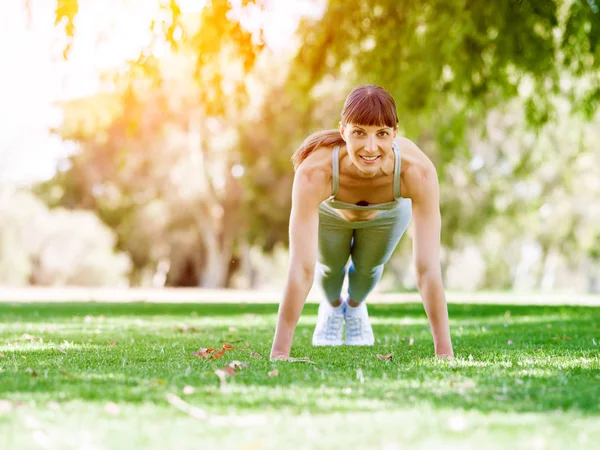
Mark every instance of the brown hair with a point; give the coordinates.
(366, 105)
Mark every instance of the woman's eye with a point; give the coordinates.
(357, 133)
(383, 134)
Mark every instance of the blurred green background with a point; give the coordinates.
(148, 143)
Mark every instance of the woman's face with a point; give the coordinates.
(368, 146)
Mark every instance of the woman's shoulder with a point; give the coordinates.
(413, 158)
(417, 167)
(315, 172)
(319, 161)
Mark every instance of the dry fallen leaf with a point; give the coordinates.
(255, 355)
(237, 364)
(384, 358)
(204, 352)
(218, 354)
(187, 329)
(157, 382)
(273, 373)
(31, 371)
(1, 355)
(113, 342)
(213, 353)
(227, 371)
(68, 375)
(60, 349)
(112, 408)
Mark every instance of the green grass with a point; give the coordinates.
(524, 377)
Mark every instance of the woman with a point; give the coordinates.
(355, 190)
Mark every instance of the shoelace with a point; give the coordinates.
(354, 326)
(334, 324)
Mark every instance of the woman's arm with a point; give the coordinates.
(426, 253)
(307, 193)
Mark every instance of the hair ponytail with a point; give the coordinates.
(324, 138)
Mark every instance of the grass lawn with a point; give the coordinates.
(106, 375)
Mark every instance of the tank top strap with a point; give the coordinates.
(335, 174)
(397, 171)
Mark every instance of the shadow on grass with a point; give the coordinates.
(529, 360)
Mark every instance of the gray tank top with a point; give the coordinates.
(336, 204)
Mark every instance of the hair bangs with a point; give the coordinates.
(370, 105)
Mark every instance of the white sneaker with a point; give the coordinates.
(358, 328)
(330, 324)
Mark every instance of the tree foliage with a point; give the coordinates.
(431, 53)
(159, 144)
(448, 64)
(189, 165)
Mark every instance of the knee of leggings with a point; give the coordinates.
(327, 271)
(367, 271)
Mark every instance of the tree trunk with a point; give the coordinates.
(213, 273)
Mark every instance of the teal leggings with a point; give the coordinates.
(369, 245)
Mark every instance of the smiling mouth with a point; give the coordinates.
(370, 159)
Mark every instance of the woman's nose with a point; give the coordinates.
(371, 144)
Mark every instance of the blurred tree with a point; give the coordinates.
(543, 190)
(162, 142)
(448, 63)
(148, 172)
(58, 247)
(437, 54)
